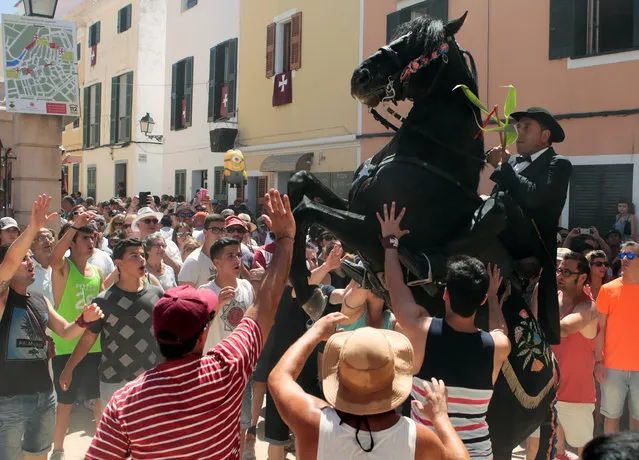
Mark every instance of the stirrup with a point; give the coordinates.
(428, 280)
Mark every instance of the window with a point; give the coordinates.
(222, 80)
(436, 8)
(92, 175)
(76, 123)
(124, 19)
(180, 182)
(120, 179)
(78, 51)
(181, 94)
(594, 191)
(121, 107)
(76, 177)
(91, 135)
(94, 34)
(219, 186)
(580, 28)
(284, 45)
(188, 4)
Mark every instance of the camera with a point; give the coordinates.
(585, 231)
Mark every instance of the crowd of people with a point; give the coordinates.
(177, 321)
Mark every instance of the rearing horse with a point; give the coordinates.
(431, 167)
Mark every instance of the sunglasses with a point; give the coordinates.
(235, 230)
(183, 234)
(328, 237)
(126, 225)
(629, 255)
(566, 273)
(216, 230)
(600, 264)
(150, 221)
(76, 213)
(186, 214)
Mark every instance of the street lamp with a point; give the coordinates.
(40, 8)
(146, 126)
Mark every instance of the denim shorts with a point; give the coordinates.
(26, 424)
(617, 386)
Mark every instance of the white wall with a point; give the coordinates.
(193, 33)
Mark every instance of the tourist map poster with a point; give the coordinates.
(41, 72)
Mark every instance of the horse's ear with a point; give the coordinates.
(452, 27)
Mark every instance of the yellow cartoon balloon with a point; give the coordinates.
(235, 167)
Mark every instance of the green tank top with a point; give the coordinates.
(78, 292)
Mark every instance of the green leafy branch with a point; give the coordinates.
(507, 132)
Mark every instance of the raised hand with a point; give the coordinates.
(325, 326)
(494, 276)
(390, 223)
(92, 313)
(335, 257)
(435, 400)
(84, 219)
(279, 217)
(227, 293)
(39, 216)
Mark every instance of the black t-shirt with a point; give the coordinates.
(291, 322)
(24, 367)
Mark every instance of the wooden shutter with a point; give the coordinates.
(213, 107)
(129, 107)
(296, 41)
(173, 95)
(128, 16)
(188, 89)
(270, 50)
(98, 107)
(562, 29)
(115, 93)
(262, 188)
(232, 76)
(91, 35)
(86, 120)
(594, 191)
(436, 8)
(97, 33)
(121, 19)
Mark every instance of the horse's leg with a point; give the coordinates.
(351, 229)
(304, 184)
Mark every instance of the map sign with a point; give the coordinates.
(41, 73)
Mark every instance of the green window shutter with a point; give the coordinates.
(562, 29)
(212, 107)
(98, 116)
(128, 16)
(120, 13)
(232, 76)
(392, 23)
(188, 89)
(437, 8)
(173, 95)
(97, 33)
(115, 93)
(129, 106)
(86, 126)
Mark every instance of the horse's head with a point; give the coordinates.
(412, 65)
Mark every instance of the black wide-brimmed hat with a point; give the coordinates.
(545, 118)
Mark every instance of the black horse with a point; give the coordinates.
(431, 167)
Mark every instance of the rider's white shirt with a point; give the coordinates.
(519, 167)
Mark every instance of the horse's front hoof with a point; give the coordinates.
(316, 304)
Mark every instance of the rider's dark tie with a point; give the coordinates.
(523, 159)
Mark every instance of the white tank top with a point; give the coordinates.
(338, 441)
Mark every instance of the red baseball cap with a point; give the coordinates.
(182, 313)
(232, 221)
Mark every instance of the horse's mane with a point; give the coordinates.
(426, 32)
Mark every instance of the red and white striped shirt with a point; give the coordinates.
(188, 408)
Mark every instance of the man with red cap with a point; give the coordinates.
(189, 405)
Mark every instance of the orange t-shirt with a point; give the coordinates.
(621, 303)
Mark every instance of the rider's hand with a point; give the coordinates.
(497, 155)
(390, 223)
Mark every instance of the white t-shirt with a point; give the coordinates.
(199, 236)
(42, 284)
(172, 250)
(229, 317)
(198, 269)
(103, 261)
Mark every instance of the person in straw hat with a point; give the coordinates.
(366, 375)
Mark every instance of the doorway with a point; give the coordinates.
(120, 179)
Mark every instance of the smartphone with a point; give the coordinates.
(585, 231)
(203, 193)
(144, 198)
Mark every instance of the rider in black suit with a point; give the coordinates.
(532, 187)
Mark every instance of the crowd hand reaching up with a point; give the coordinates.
(326, 326)
(91, 313)
(279, 217)
(390, 224)
(435, 404)
(495, 280)
(39, 216)
(84, 219)
(335, 257)
(227, 294)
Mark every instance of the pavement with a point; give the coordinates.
(82, 429)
